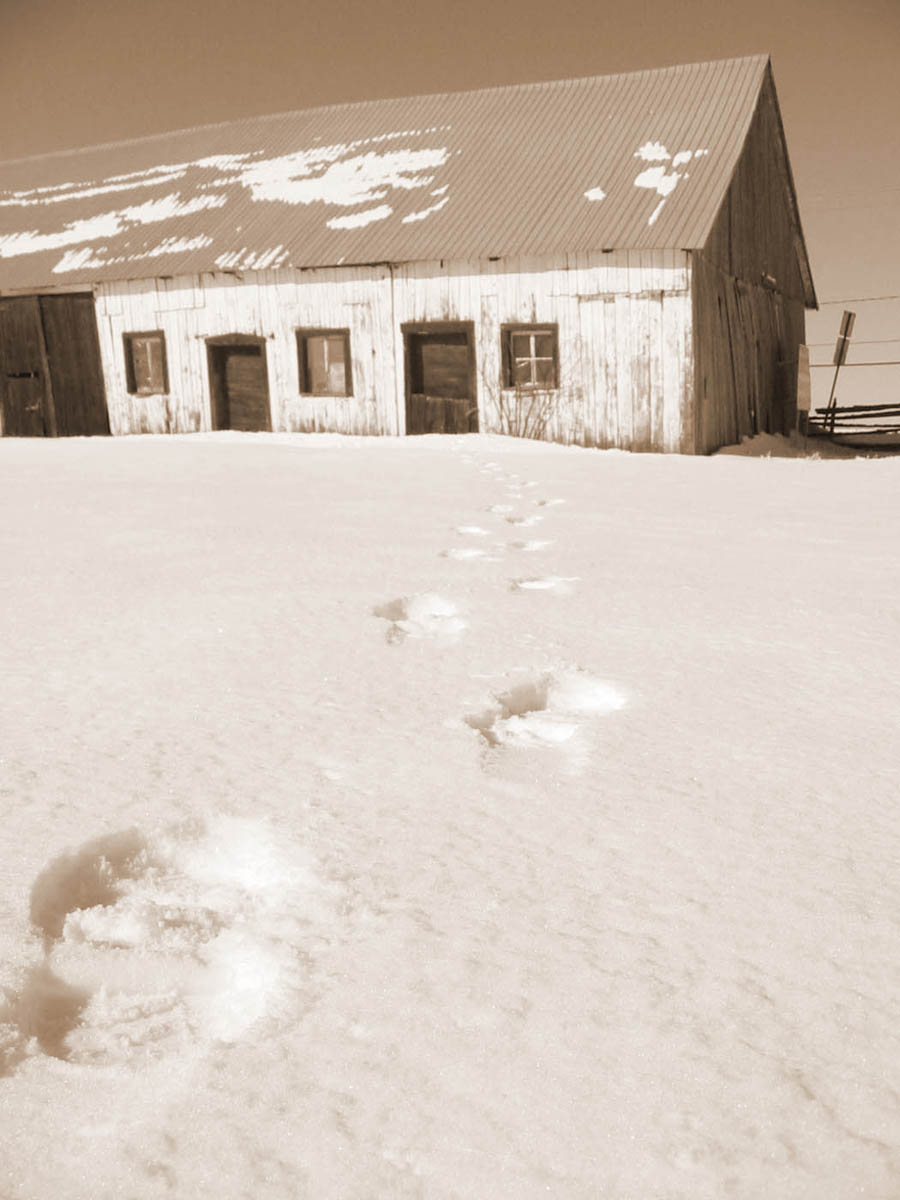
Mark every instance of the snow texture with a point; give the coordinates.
(335, 867)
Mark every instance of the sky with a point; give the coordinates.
(98, 71)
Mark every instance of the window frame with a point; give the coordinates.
(302, 334)
(508, 380)
(128, 340)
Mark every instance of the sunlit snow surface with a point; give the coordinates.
(337, 865)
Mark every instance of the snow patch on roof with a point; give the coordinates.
(424, 212)
(155, 176)
(175, 245)
(251, 260)
(355, 220)
(105, 225)
(658, 178)
(348, 181)
(24, 199)
(595, 193)
(652, 152)
(262, 259)
(79, 260)
(335, 174)
(88, 256)
(226, 162)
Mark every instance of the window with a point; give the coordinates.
(530, 356)
(325, 368)
(145, 363)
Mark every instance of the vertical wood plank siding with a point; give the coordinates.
(749, 309)
(624, 321)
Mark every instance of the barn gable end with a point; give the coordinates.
(752, 284)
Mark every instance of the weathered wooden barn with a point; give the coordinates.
(612, 261)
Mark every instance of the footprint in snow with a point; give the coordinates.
(156, 945)
(561, 585)
(472, 530)
(534, 519)
(545, 710)
(422, 616)
(463, 552)
(549, 503)
(531, 547)
(500, 508)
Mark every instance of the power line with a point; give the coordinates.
(859, 300)
(859, 342)
(857, 205)
(895, 363)
(847, 195)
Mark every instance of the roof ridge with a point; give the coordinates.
(532, 85)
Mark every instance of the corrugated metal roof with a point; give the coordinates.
(641, 160)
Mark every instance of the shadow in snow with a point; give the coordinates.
(86, 878)
(530, 696)
(47, 1009)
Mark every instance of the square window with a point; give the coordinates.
(146, 370)
(324, 358)
(530, 356)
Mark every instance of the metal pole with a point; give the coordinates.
(840, 353)
(829, 410)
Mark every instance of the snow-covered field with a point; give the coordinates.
(447, 817)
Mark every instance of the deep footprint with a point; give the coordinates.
(426, 615)
(560, 585)
(155, 946)
(532, 546)
(546, 710)
(463, 552)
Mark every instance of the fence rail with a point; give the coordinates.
(856, 421)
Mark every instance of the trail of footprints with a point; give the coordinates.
(160, 945)
(549, 707)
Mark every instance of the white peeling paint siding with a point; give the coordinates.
(269, 304)
(624, 322)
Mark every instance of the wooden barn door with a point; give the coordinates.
(239, 384)
(50, 378)
(73, 354)
(25, 409)
(440, 378)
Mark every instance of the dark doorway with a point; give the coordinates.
(51, 382)
(239, 383)
(440, 378)
(73, 352)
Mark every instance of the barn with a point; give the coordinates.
(613, 261)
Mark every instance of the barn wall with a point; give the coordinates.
(625, 343)
(749, 298)
(624, 318)
(268, 304)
